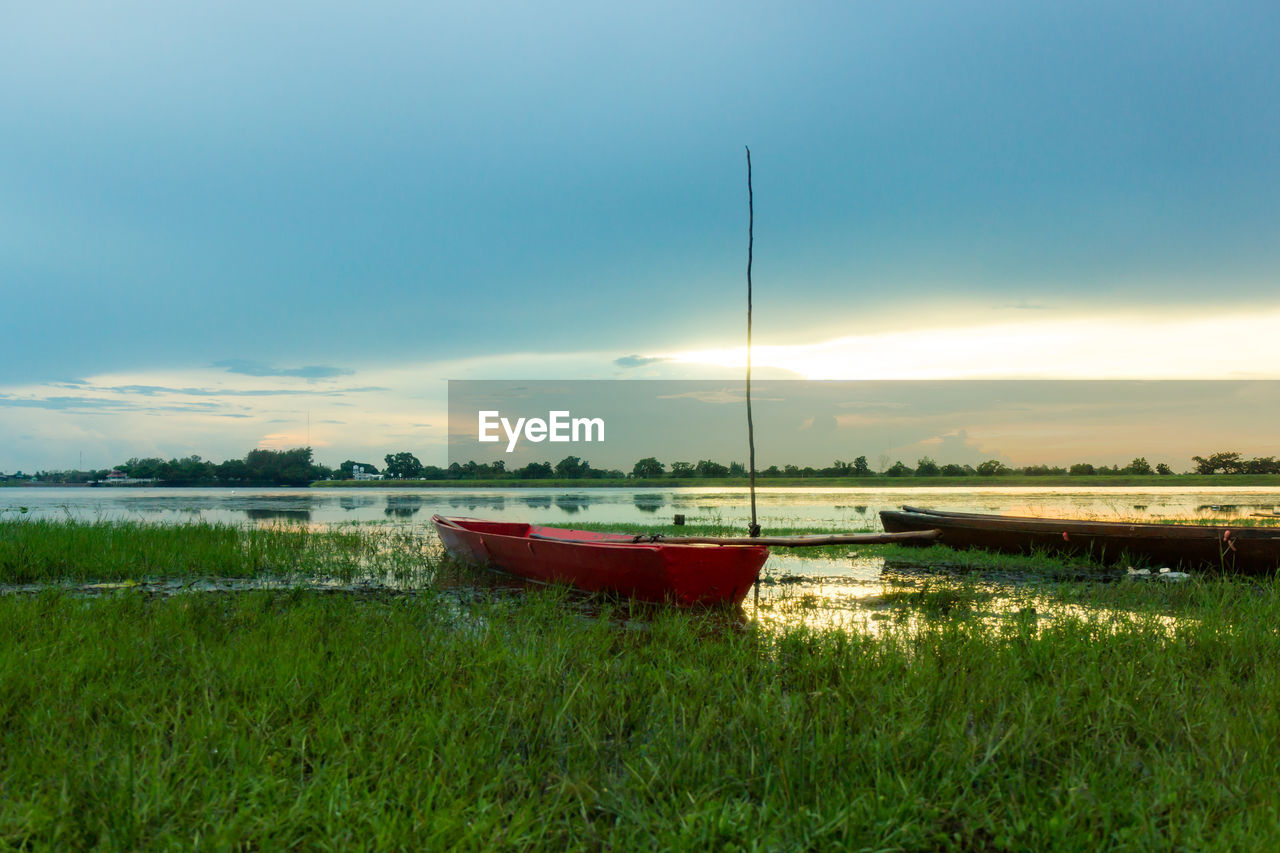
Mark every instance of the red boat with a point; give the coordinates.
(607, 562)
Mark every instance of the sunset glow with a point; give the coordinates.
(1231, 346)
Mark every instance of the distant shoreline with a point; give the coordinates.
(879, 482)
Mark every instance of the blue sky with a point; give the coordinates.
(216, 218)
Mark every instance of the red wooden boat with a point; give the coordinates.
(607, 562)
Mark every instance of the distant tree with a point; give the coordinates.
(926, 467)
(188, 471)
(536, 471)
(707, 468)
(280, 467)
(771, 471)
(1082, 469)
(1163, 469)
(861, 468)
(737, 469)
(1262, 465)
(403, 465)
(897, 469)
(682, 470)
(143, 469)
(232, 471)
(572, 468)
(992, 468)
(838, 469)
(472, 470)
(951, 469)
(1228, 462)
(1139, 465)
(648, 468)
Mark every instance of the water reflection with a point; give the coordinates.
(573, 503)
(488, 505)
(831, 509)
(402, 506)
(647, 502)
(294, 515)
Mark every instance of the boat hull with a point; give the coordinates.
(1251, 550)
(607, 562)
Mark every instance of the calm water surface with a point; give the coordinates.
(795, 589)
(777, 507)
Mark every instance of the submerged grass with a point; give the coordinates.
(274, 720)
(938, 598)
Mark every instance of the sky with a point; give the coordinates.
(231, 225)
(817, 422)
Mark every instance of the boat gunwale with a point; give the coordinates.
(625, 543)
(1032, 524)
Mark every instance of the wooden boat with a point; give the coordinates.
(656, 571)
(1240, 549)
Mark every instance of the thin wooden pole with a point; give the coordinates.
(754, 529)
(811, 541)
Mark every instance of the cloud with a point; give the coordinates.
(155, 390)
(82, 404)
(639, 360)
(720, 396)
(246, 367)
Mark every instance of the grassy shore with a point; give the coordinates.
(878, 482)
(277, 719)
(63, 550)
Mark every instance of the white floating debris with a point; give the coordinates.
(1141, 573)
(1167, 575)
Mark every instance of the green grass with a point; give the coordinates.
(277, 720)
(50, 551)
(1123, 715)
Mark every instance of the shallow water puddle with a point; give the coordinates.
(870, 594)
(854, 592)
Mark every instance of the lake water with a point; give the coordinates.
(794, 588)
(843, 508)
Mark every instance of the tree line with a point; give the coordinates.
(257, 468)
(406, 466)
(296, 467)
